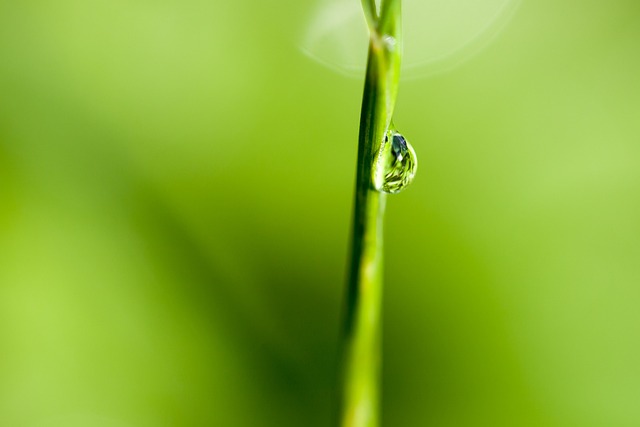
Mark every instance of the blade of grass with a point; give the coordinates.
(370, 13)
(360, 387)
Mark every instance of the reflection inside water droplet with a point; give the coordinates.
(395, 165)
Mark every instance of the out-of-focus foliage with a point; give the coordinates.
(175, 195)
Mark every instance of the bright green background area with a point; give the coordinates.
(175, 195)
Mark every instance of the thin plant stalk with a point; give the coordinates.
(361, 346)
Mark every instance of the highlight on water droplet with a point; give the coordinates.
(438, 34)
(395, 164)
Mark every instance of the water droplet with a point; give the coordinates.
(395, 165)
(390, 42)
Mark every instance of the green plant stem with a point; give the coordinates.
(360, 393)
(370, 14)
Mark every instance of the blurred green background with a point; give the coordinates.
(175, 195)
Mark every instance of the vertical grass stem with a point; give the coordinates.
(361, 354)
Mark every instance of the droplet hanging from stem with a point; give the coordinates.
(395, 164)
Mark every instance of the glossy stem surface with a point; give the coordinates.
(361, 346)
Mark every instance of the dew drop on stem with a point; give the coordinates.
(395, 164)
